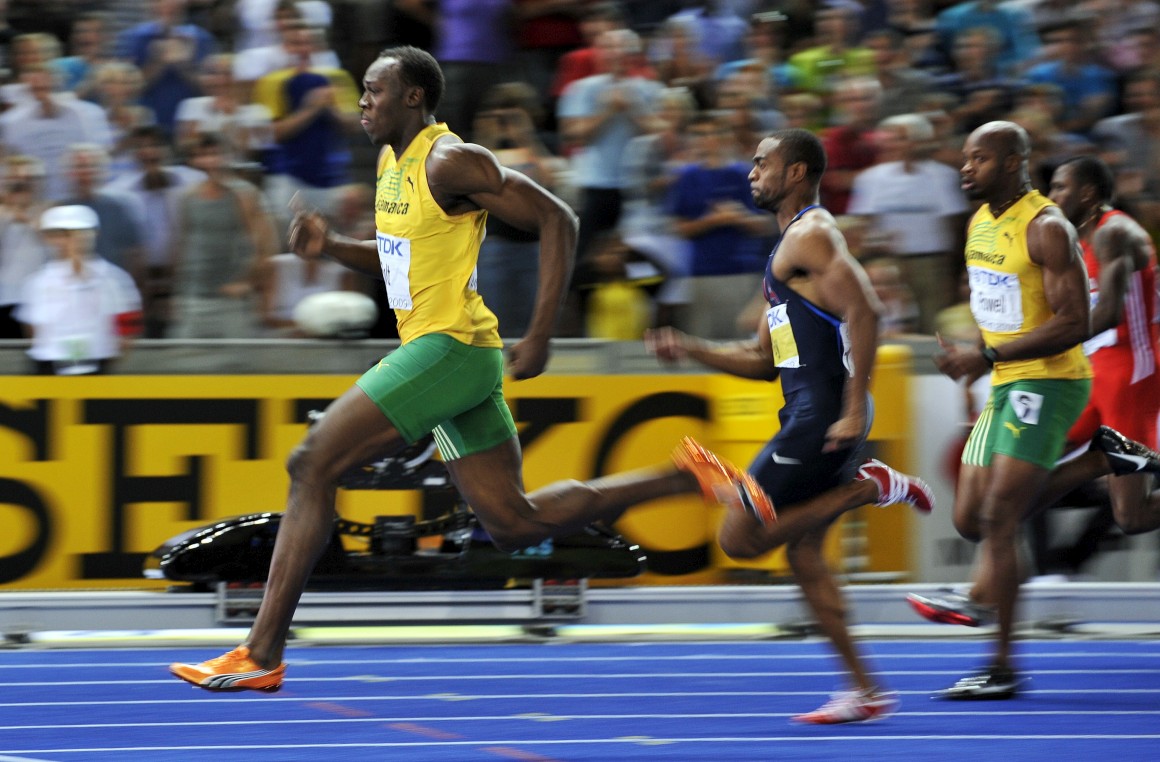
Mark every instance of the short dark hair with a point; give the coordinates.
(418, 68)
(149, 133)
(209, 140)
(798, 145)
(1093, 171)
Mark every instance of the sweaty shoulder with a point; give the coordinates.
(455, 168)
(1049, 233)
(815, 235)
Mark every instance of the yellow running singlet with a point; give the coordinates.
(429, 257)
(1007, 297)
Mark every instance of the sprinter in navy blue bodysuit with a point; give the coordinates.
(820, 336)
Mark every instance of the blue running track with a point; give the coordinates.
(556, 701)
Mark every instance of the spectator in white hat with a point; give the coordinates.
(79, 309)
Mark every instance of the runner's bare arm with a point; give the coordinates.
(747, 359)
(1052, 244)
(1120, 244)
(838, 284)
(464, 176)
(311, 238)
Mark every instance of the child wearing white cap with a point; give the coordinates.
(80, 309)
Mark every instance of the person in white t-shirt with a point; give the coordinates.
(80, 310)
(917, 203)
(246, 127)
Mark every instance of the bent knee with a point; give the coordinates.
(739, 545)
(968, 528)
(308, 465)
(1131, 524)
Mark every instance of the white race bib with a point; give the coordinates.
(395, 259)
(996, 300)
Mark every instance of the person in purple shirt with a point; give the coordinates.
(474, 45)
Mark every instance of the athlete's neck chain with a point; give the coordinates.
(998, 209)
(1091, 220)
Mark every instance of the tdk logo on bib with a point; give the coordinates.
(988, 278)
(395, 259)
(389, 246)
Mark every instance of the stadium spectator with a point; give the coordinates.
(1088, 88)
(220, 232)
(764, 48)
(314, 110)
(1016, 40)
(116, 87)
(47, 125)
(850, 143)
(903, 85)
(713, 208)
(598, 116)
(29, 51)
(120, 237)
(252, 63)
(508, 266)
(546, 31)
(586, 61)
(745, 97)
(652, 162)
(679, 60)
(475, 45)
(245, 127)
(22, 252)
(168, 51)
(81, 311)
(834, 56)
(1130, 144)
(918, 205)
(155, 185)
(88, 50)
(982, 92)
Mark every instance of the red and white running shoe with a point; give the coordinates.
(897, 487)
(852, 706)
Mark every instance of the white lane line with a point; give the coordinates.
(639, 645)
(544, 717)
(294, 662)
(234, 700)
(636, 741)
(585, 676)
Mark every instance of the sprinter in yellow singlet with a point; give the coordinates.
(1029, 295)
(432, 198)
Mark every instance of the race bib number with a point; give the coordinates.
(996, 300)
(395, 259)
(1027, 406)
(785, 349)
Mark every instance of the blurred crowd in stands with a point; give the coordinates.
(188, 125)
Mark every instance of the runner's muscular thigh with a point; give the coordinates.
(353, 432)
(492, 481)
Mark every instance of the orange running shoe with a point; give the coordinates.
(722, 482)
(234, 671)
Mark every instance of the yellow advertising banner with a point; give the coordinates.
(97, 472)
